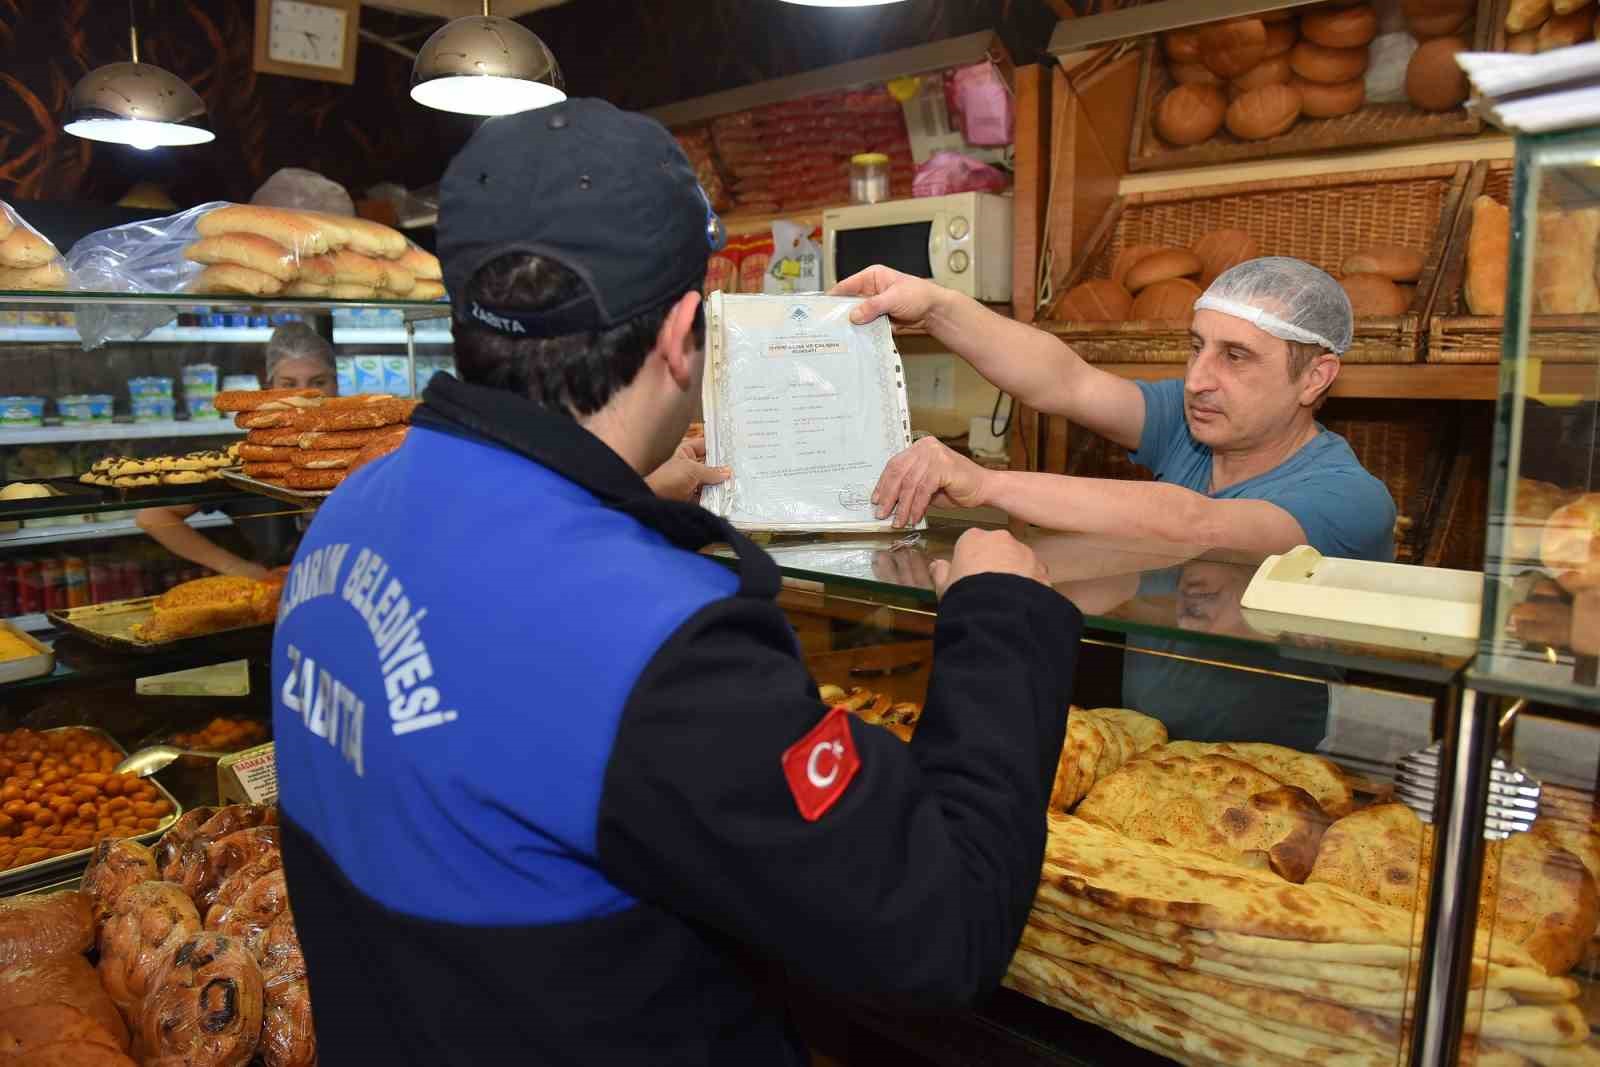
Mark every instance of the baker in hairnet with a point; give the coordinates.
(1239, 457)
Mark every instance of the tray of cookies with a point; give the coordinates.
(156, 476)
(299, 445)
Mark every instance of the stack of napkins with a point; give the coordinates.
(1555, 90)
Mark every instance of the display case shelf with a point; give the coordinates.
(207, 493)
(68, 300)
(91, 531)
(117, 431)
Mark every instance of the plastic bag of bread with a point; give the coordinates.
(27, 258)
(38, 928)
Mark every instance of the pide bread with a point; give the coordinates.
(247, 250)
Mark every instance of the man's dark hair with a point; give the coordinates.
(577, 374)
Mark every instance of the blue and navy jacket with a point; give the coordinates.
(531, 757)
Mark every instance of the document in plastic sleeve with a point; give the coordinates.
(805, 406)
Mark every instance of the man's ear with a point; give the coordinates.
(1319, 378)
(675, 340)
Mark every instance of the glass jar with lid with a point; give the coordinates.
(869, 178)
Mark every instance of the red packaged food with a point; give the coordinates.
(52, 584)
(8, 589)
(722, 273)
(30, 594)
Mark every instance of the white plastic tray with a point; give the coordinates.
(1427, 609)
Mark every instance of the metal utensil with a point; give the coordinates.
(1513, 792)
(148, 761)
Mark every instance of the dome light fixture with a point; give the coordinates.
(136, 104)
(843, 3)
(486, 65)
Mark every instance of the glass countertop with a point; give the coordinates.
(67, 299)
(1182, 601)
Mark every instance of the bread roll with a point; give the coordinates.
(1571, 541)
(1329, 66)
(1343, 27)
(1524, 43)
(1373, 295)
(1427, 27)
(424, 266)
(232, 278)
(1273, 70)
(1230, 48)
(1526, 14)
(53, 275)
(1190, 114)
(247, 250)
(368, 237)
(305, 234)
(1433, 80)
(1168, 301)
(1566, 7)
(1562, 31)
(349, 291)
(1127, 258)
(1563, 263)
(1160, 266)
(427, 290)
(24, 248)
(1264, 112)
(1488, 257)
(1318, 101)
(1222, 249)
(1281, 37)
(1096, 300)
(1181, 46)
(1395, 262)
(1192, 74)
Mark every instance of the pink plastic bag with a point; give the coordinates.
(951, 172)
(985, 106)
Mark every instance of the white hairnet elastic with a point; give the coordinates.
(1288, 298)
(296, 340)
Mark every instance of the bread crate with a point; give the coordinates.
(1370, 126)
(1320, 219)
(1455, 335)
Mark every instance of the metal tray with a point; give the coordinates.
(110, 626)
(65, 493)
(43, 661)
(239, 480)
(154, 493)
(45, 872)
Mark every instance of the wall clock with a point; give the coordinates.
(308, 38)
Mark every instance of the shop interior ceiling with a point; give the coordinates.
(450, 9)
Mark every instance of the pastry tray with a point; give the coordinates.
(154, 493)
(240, 480)
(65, 493)
(43, 661)
(110, 626)
(58, 868)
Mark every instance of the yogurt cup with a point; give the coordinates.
(153, 408)
(21, 411)
(200, 379)
(81, 408)
(201, 406)
(138, 387)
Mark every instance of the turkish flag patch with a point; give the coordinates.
(821, 764)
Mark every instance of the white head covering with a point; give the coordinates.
(296, 340)
(1288, 298)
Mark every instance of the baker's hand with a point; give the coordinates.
(906, 300)
(987, 552)
(927, 473)
(681, 477)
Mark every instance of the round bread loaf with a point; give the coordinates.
(1230, 48)
(1264, 112)
(1096, 300)
(1318, 101)
(1562, 31)
(1373, 295)
(1192, 74)
(1433, 80)
(1128, 257)
(1524, 43)
(1274, 70)
(1398, 263)
(1221, 249)
(1319, 63)
(1281, 37)
(1168, 301)
(1340, 27)
(1161, 266)
(1181, 46)
(1427, 27)
(1190, 114)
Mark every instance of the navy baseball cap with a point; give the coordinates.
(606, 193)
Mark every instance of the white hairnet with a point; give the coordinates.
(296, 340)
(1288, 298)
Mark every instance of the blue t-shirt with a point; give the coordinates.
(1343, 510)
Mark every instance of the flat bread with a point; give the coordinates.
(1146, 731)
(1377, 853)
(1080, 753)
(1320, 777)
(1212, 804)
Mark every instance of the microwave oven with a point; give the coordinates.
(962, 241)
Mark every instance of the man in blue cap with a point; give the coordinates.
(554, 786)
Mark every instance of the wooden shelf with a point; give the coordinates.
(1380, 381)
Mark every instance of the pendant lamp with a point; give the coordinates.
(843, 3)
(136, 104)
(486, 65)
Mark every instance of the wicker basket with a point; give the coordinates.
(1373, 125)
(1455, 335)
(1321, 219)
(1458, 535)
